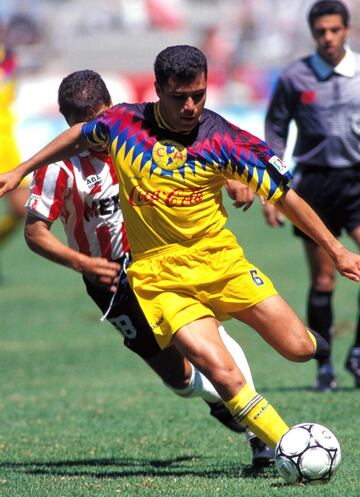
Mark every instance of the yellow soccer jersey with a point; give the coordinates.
(170, 183)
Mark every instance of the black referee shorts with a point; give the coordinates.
(127, 317)
(333, 193)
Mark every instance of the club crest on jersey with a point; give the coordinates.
(278, 164)
(92, 180)
(169, 155)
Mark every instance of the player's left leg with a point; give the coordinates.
(281, 328)
(352, 363)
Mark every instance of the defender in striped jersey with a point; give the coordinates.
(83, 192)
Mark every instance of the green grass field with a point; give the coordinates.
(81, 416)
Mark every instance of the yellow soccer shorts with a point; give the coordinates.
(179, 284)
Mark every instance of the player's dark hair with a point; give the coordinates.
(182, 62)
(81, 94)
(326, 8)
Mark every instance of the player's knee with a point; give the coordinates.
(303, 350)
(174, 382)
(226, 378)
(324, 282)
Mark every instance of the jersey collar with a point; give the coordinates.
(346, 67)
(160, 121)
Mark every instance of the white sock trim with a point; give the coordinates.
(198, 386)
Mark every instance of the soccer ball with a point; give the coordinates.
(308, 452)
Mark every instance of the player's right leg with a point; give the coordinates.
(262, 454)
(172, 365)
(319, 309)
(201, 344)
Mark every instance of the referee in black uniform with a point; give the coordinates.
(321, 93)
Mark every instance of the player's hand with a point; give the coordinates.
(242, 195)
(272, 215)
(9, 181)
(348, 264)
(101, 272)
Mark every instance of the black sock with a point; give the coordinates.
(320, 319)
(322, 353)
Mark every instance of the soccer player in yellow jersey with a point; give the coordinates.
(95, 232)
(9, 152)
(172, 158)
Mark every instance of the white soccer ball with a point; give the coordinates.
(307, 452)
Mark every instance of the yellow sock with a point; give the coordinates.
(8, 223)
(312, 338)
(253, 411)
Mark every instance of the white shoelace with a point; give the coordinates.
(122, 273)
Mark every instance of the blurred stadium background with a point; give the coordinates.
(247, 42)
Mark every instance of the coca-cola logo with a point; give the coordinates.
(179, 197)
(184, 197)
(138, 197)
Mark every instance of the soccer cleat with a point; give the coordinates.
(352, 364)
(325, 380)
(222, 414)
(263, 455)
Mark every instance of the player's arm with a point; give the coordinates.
(278, 116)
(42, 241)
(277, 122)
(242, 195)
(68, 143)
(306, 219)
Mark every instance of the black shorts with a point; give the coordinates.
(333, 193)
(127, 317)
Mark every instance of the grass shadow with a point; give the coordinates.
(129, 467)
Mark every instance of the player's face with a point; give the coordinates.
(181, 104)
(330, 35)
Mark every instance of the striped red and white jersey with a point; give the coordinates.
(84, 193)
